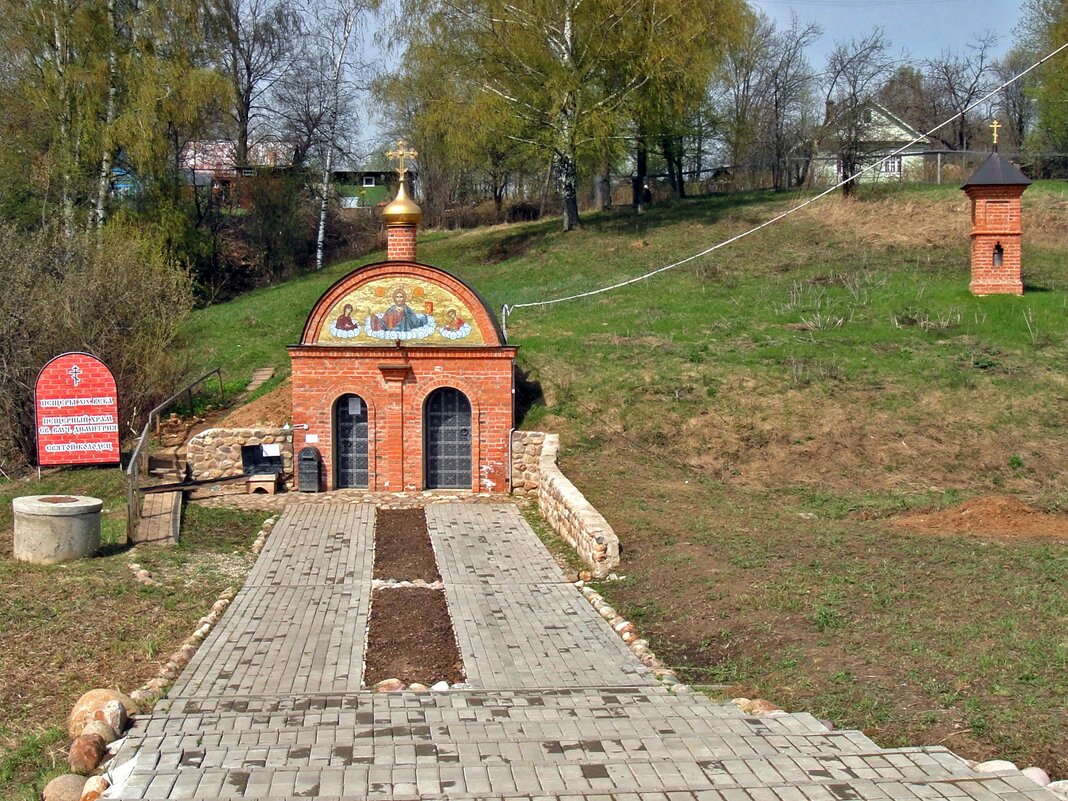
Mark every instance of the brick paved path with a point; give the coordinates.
(271, 707)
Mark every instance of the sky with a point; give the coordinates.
(922, 28)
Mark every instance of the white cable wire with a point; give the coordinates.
(507, 309)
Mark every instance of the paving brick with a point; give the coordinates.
(272, 707)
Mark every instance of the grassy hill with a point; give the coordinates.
(751, 423)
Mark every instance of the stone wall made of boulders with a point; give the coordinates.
(526, 458)
(560, 502)
(216, 453)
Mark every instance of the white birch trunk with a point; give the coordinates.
(349, 20)
(109, 120)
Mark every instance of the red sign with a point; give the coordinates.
(77, 412)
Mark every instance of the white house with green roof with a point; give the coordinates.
(885, 133)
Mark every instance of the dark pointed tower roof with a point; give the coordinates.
(997, 171)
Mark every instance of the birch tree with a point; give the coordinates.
(549, 63)
(334, 27)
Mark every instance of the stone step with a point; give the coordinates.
(925, 776)
(637, 710)
(342, 747)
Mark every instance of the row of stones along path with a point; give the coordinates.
(272, 706)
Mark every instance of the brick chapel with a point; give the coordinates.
(402, 377)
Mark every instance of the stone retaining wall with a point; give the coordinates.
(216, 453)
(560, 502)
(526, 456)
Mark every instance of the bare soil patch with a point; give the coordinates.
(402, 546)
(410, 638)
(272, 409)
(994, 515)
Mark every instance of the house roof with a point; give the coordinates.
(910, 132)
(220, 155)
(997, 171)
(884, 131)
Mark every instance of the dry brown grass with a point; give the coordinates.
(919, 220)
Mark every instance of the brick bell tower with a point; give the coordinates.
(995, 191)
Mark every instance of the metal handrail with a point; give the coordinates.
(138, 465)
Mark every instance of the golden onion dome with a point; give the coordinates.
(402, 210)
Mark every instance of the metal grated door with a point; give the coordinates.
(351, 441)
(447, 449)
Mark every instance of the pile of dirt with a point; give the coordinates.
(272, 409)
(996, 515)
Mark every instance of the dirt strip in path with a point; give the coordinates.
(402, 547)
(410, 635)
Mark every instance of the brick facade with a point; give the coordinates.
(996, 221)
(394, 381)
(400, 242)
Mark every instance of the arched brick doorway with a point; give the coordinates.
(350, 442)
(447, 439)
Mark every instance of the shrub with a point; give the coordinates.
(117, 298)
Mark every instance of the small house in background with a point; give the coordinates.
(123, 183)
(359, 188)
(885, 133)
(214, 162)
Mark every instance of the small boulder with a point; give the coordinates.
(389, 686)
(1059, 787)
(416, 687)
(107, 734)
(67, 787)
(86, 707)
(114, 714)
(94, 788)
(995, 766)
(86, 752)
(1037, 775)
(440, 687)
(754, 706)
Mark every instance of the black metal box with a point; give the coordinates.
(309, 468)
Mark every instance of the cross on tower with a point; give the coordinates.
(399, 155)
(75, 374)
(995, 126)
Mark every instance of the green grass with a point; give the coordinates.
(750, 423)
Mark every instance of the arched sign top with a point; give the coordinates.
(77, 412)
(406, 302)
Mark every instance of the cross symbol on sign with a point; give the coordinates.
(75, 374)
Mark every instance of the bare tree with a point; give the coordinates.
(1016, 103)
(767, 85)
(302, 103)
(959, 79)
(855, 72)
(787, 88)
(255, 49)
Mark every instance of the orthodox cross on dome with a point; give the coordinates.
(75, 374)
(401, 155)
(995, 126)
